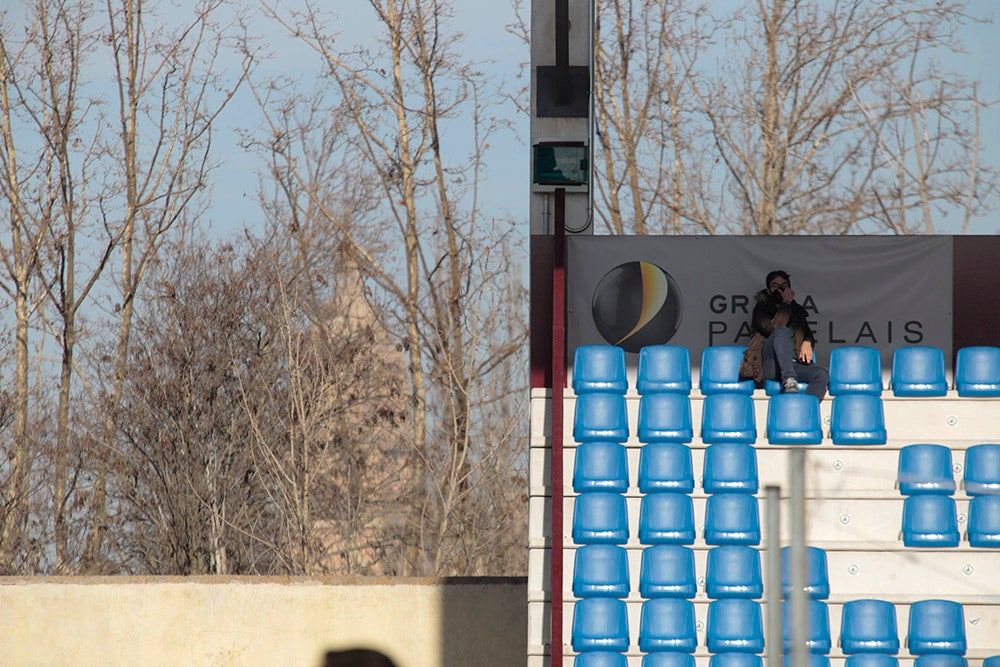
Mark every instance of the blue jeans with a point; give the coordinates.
(778, 362)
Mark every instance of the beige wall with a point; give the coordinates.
(286, 622)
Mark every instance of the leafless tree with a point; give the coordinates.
(428, 258)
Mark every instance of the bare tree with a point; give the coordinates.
(425, 253)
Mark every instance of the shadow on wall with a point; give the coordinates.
(356, 657)
(484, 635)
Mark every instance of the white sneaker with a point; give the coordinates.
(790, 386)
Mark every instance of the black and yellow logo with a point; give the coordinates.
(637, 304)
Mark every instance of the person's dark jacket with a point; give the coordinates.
(770, 313)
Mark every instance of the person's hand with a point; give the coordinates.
(806, 352)
(788, 294)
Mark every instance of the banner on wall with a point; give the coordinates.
(883, 292)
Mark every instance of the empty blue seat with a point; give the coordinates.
(936, 626)
(720, 370)
(977, 371)
(600, 624)
(730, 466)
(599, 368)
(735, 659)
(982, 469)
(600, 466)
(600, 659)
(857, 419)
(818, 627)
(869, 626)
(665, 418)
(665, 466)
(664, 369)
(817, 573)
(992, 661)
(855, 369)
(918, 370)
(666, 518)
(667, 624)
(668, 659)
(734, 624)
(984, 522)
(930, 521)
(600, 417)
(925, 468)
(941, 660)
(871, 660)
(794, 419)
(667, 570)
(600, 518)
(601, 570)
(728, 418)
(733, 571)
(732, 518)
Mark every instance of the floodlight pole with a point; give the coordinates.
(798, 599)
(772, 587)
(558, 384)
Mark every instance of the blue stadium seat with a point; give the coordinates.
(735, 659)
(668, 659)
(599, 368)
(793, 419)
(930, 521)
(984, 522)
(665, 466)
(667, 624)
(600, 417)
(728, 418)
(733, 571)
(818, 632)
(600, 466)
(992, 661)
(857, 419)
(925, 468)
(665, 418)
(600, 624)
(869, 626)
(732, 518)
(941, 660)
(600, 518)
(982, 469)
(734, 624)
(666, 518)
(664, 369)
(600, 659)
(667, 571)
(601, 570)
(817, 573)
(730, 466)
(773, 387)
(871, 660)
(720, 371)
(855, 369)
(936, 626)
(918, 370)
(977, 371)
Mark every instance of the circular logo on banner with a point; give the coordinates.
(637, 304)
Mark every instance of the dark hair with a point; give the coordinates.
(777, 274)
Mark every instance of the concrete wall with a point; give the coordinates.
(246, 621)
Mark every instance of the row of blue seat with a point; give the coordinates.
(928, 468)
(734, 659)
(928, 520)
(665, 466)
(792, 419)
(668, 570)
(917, 370)
(935, 627)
